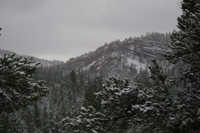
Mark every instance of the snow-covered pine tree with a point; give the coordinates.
(116, 99)
(17, 88)
(124, 106)
(185, 49)
(185, 45)
(37, 116)
(155, 105)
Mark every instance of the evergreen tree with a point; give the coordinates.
(61, 105)
(12, 123)
(73, 77)
(45, 120)
(185, 50)
(156, 106)
(4, 122)
(114, 113)
(17, 88)
(89, 96)
(81, 83)
(29, 120)
(37, 117)
(16, 124)
(185, 46)
(73, 85)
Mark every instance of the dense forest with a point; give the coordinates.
(162, 97)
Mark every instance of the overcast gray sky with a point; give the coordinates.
(61, 29)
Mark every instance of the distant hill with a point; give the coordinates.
(43, 62)
(123, 58)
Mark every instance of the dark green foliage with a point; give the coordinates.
(89, 97)
(185, 50)
(158, 77)
(28, 118)
(89, 94)
(12, 123)
(4, 122)
(73, 78)
(73, 85)
(15, 123)
(17, 88)
(36, 116)
(114, 112)
(45, 120)
(185, 46)
(155, 108)
(52, 74)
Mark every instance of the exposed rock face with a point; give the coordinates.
(120, 56)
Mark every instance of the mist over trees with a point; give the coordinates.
(164, 96)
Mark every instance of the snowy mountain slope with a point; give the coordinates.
(121, 58)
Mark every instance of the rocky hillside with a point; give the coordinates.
(121, 57)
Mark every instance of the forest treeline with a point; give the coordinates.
(81, 102)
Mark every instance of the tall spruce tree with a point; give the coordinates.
(185, 50)
(73, 84)
(185, 46)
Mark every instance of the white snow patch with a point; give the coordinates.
(98, 67)
(131, 47)
(137, 63)
(21, 73)
(88, 66)
(157, 48)
(106, 47)
(113, 55)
